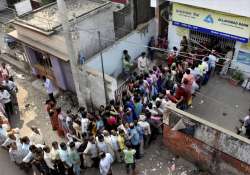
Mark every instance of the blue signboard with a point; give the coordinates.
(211, 32)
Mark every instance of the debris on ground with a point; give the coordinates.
(201, 102)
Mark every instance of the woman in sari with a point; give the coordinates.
(62, 126)
(51, 109)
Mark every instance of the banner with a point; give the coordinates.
(212, 22)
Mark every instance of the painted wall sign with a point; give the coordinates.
(243, 57)
(212, 22)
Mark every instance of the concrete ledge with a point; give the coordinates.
(208, 145)
(204, 156)
(13, 62)
(207, 123)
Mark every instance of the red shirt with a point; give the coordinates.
(111, 121)
(180, 92)
(170, 59)
(172, 98)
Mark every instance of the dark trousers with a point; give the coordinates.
(60, 167)
(146, 140)
(54, 172)
(70, 171)
(96, 161)
(8, 109)
(137, 148)
(130, 166)
(51, 97)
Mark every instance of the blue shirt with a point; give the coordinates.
(64, 156)
(129, 118)
(138, 109)
(99, 124)
(135, 137)
(140, 131)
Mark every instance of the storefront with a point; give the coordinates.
(221, 30)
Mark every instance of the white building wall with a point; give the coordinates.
(102, 21)
(175, 35)
(93, 88)
(135, 43)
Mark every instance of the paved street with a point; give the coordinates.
(221, 103)
(6, 166)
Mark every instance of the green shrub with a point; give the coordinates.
(238, 75)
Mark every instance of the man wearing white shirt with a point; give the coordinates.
(32, 150)
(205, 65)
(101, 145)
(10, 139)
(25, 145)
(212, 62)
(15, 153)
(194, 70)
(105, 163)
(84, 123)
(36, 136)
(47, 156)
(115, 145)
(12, 88)
(142, 62)
(49, 88)
(205, 70)
(146, 128)
(10, 85)
(91, 151)
(6, 101)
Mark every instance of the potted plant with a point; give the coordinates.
(237, 77)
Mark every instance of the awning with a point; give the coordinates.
(43, 44)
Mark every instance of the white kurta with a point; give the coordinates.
(105, 164)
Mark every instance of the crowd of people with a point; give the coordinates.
(8, 90)
(121, 130)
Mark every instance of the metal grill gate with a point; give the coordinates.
(200, 37)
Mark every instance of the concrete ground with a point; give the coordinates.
(7, 167)
(157, 159)
(221, 103)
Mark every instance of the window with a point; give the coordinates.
(43, 59)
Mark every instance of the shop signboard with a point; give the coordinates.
(215, 23)
(243, 58)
